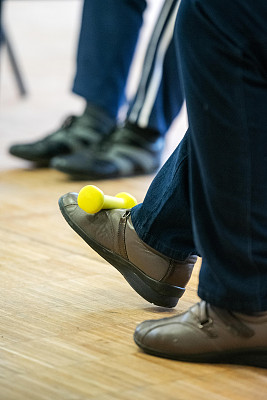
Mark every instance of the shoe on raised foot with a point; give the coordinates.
(207, 334)
(77, 132)
(158, 279)
(128, 151)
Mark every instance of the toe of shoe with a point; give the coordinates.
(68, 203)
(69, 199)
(36, 152)
(74, 164)
(14, 149)
(85, 165)
(142, 330)
(21, 150)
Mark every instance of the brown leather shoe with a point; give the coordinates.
(158, 279)
(207, 334)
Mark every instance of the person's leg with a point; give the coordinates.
(159, 269)
(136, 147)
(108, 37)
(105, 52)
(163, 220)
(224, 63)
(158, 276)
(225, 82)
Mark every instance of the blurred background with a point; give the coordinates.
(43, 35)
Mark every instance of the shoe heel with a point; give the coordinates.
(147, 292)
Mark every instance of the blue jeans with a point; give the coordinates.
(108, 37)
(210, 198)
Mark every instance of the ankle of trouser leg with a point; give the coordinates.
(151, 239)
(99, 118)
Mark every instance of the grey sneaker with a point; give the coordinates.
(155, 277)
(77, 132)
(128, 151)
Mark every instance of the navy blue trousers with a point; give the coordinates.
(210, 198)
(107, 42)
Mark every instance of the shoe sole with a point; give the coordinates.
(96, 177)
(252, 357)
(158, 293)
(37, 161)
(75, 175)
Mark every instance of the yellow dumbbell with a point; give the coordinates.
(91, 199)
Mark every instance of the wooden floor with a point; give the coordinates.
(67, 317)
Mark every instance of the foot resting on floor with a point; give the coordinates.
(128, 151)
(207, 334)
(76, 133)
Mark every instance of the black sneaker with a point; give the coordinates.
(76, 133)
(128, 151)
